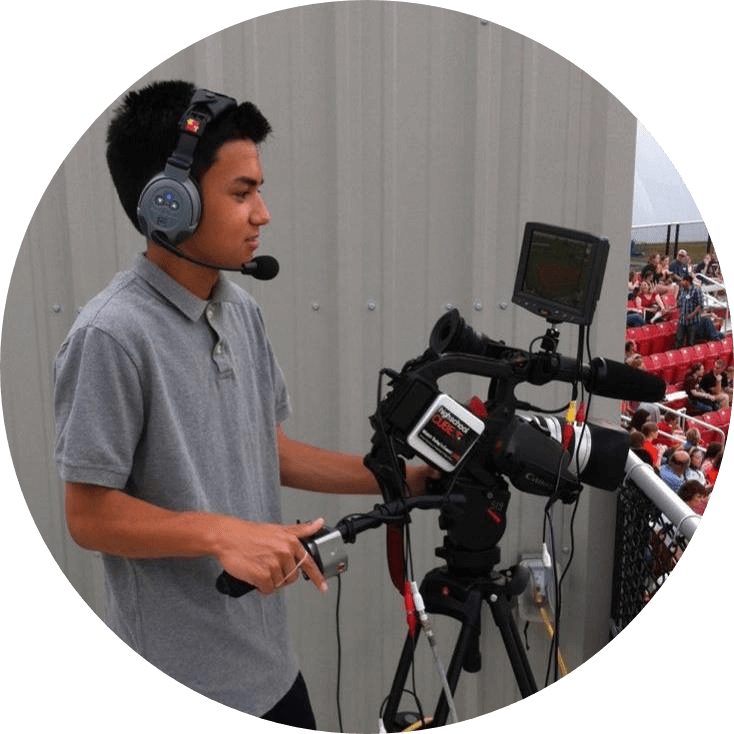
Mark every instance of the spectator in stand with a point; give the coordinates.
(709, 266)
(713, 473)
(709, 327)
(695, 495)
(716, 382)
(711, 451)
(651, 267)
(698, 399)
(693, 439)
(630, 350)
(664, 282)
(635, 314)
(639, 418)
(632, 283)
(650, 434)
(668, 423)
(694, 469)
(674, 472)
(690, 305)
(681, 266)
(649, 304)
(637, 447)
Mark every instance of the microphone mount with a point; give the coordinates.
(262, 267)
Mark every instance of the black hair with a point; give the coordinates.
(144, 132)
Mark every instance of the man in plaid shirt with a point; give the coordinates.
(690, 303)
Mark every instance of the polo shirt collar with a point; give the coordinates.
(184, 300)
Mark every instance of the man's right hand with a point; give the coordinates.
(268, 556)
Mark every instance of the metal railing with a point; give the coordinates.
(653, 529)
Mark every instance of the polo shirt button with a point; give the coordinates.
(219, 348)
(210, 312)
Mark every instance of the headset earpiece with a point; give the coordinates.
(169, 207)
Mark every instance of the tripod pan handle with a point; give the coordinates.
(232, 586)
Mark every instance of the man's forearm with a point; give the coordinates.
(303, 466)
(113, 522)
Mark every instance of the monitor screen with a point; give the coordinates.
(560, 273)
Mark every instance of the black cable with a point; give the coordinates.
(338, 653)
(548, 524)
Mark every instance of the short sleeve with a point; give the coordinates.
(98, 409)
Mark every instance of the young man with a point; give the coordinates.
(690, 304)
(169, 404)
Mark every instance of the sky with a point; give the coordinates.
(661, 195)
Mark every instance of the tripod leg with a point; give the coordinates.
(398, 683)
(465, 648)
(502, 615)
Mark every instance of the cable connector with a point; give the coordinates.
(420, 609)
(568, 425)
(410, 609)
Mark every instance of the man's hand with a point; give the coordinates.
(418, 476)
(268, 556)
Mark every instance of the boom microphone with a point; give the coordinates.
(262, 267)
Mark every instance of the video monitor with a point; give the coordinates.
(560, 273)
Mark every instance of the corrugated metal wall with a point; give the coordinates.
(411, 145)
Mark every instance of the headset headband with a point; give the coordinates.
(204, 107)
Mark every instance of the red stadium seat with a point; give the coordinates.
(633, 333)
(723, 419)
(707, 434)
(712, 350)
(675, 399)
(699, 353)
(655, 363)
(668, 361)
(726, 349)
(644, 340)
(659, 340)
(683, 359)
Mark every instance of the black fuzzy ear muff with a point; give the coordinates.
(169, 207)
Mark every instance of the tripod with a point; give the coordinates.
(457, 590)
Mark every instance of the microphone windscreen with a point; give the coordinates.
(610, 379)
(262, 267)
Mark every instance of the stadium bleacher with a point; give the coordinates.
(656, 344)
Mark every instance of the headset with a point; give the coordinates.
(169, 207)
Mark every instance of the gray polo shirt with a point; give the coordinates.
(175, 400)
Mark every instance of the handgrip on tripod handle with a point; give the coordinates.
(232, 586)
(326, 547)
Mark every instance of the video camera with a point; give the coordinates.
(559, 277)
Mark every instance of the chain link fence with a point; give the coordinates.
(647, 548)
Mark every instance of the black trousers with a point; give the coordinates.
(294, 709)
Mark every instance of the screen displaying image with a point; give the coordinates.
(558, 269)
